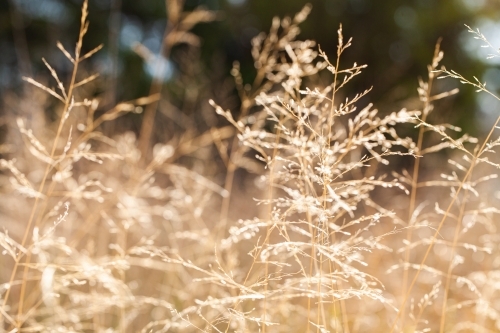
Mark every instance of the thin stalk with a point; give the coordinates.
(148, 119)
(246, 103)
(413, 194)
(175, 27)
(228, 186)
(326, 181)
(28, 254)
(416, 168)
(269, 213)
(450, 264)
(269, 229)
(83, 29)
(235, 154)
(441, 223)
(312, 231)
(122, 240)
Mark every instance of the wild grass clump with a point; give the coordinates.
(109, 232)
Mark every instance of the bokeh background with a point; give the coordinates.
(395, 38)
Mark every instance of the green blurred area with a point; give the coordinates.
(395, 38)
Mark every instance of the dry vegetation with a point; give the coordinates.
(100, 234)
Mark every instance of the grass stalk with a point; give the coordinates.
(441, 223)
(83, 30)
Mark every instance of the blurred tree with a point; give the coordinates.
(394, 37)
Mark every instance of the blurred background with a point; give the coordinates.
(395, 38)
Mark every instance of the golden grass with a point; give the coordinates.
(110, 233)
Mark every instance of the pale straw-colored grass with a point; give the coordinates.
(111, 233)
